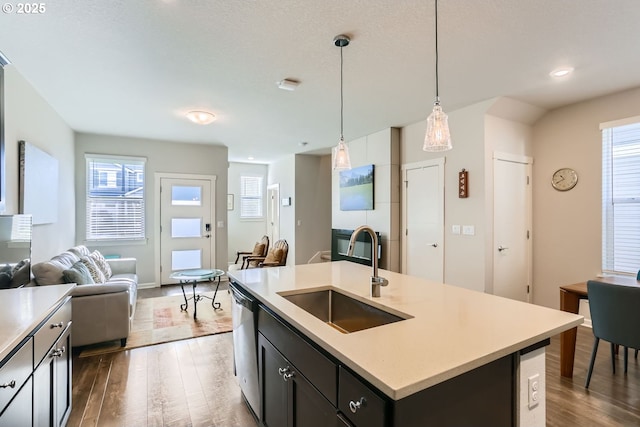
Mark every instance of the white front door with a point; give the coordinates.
(512, 227)
(187, 233)
(423, 231)
(273, 212)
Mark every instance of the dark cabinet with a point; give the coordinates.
(52, 385)
(360, 404)
(35, 380)
(288, 398)
(275, 391)
(18, 413)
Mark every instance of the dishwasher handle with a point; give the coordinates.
(240, 298)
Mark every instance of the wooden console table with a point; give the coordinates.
(570, 296)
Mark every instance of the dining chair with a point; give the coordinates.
(614, 318)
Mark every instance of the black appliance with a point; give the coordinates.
(362, 251)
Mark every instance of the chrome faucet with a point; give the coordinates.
(376, 281)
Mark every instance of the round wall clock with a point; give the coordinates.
(564, 179)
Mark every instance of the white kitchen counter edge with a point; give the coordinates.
(24, 309)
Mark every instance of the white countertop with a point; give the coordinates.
(453, 330)
(23, 309)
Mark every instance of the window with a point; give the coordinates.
(115, 198)
(251, 197)
(621, 196)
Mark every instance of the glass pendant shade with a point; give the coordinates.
(341, 159)
(437, 137)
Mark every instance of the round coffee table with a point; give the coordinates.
(194, 276)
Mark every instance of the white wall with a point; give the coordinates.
(503, 136)
(381, 149)
(477, 131)
(568, 237)
(162, 156)
(30, 118)
(464, 255)
(243, 234)
(283, 172)
(313, 206)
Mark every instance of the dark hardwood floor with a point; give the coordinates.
(611, 400)
(191, 383)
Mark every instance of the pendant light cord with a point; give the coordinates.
(341, 98)
(437, 92)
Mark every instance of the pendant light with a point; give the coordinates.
(341, 160)
(437, 137)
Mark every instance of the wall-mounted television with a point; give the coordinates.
(356, 189)
(15, 251)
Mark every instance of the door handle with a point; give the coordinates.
(207, 236)
(435, 245)
(502, 248)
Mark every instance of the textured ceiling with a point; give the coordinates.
(135, 67)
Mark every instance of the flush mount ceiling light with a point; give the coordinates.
(561, 72)
(437, 137)
(288, 84)
(341, 160)
(200, 117)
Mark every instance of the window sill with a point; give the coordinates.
(137, 242)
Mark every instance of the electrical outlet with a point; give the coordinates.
(534, 390)
(468, 230)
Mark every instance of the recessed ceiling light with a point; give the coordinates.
(561, 72)
(288, 84)
(250, 158)
(201, 117)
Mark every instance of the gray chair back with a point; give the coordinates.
(615, 312)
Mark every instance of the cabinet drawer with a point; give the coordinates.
(50, 331)
(372, 408)
(319, 369)
(15, 371)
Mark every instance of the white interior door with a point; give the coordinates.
(512, 227)
(423, 237)
(273, 212)
(187, 234)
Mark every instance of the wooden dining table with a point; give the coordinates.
(570, 296)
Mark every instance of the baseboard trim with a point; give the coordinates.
(147, 285)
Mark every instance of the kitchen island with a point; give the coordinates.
(450, 340)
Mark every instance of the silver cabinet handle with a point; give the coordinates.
(288, 375)
(502, 248)
(10, 384)
(57, 325)
(354, 406)
(58, 352)
(282, 371)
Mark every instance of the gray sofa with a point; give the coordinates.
(100, 311)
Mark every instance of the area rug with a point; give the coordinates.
(160, 320)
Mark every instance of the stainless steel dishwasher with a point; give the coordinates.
(245, 345)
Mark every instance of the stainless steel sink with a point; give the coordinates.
(341, 311)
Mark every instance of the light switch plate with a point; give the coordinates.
(468, 230)
(455, 229)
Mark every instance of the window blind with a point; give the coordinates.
(251, 197)
(621, 198)
(115, 198)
